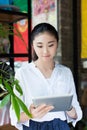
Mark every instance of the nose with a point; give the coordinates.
(45, 50)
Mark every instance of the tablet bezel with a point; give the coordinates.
(60, 103)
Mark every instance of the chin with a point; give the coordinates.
(46, 59)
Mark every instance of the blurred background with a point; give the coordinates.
(69, 17)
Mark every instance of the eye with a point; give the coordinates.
(39, 46)
(51, 45)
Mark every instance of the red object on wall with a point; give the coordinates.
(21, 46)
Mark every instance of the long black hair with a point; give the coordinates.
(41, 28)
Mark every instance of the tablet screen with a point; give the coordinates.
(60, 103)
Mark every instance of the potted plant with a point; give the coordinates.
(7, 79)
(7, 84)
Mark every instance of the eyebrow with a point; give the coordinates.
(42, 43)
(39, 43)
(50, 42)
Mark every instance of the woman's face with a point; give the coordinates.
(45, 46)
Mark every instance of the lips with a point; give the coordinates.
(47, 56)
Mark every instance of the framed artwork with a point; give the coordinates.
(84, 29)
(44, 11)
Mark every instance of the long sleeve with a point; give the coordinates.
(75, 102)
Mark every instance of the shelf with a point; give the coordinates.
(7, 16)
(11, 55)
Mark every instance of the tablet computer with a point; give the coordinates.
(60, 103)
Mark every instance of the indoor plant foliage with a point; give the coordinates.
(7, 30)
(7, 84)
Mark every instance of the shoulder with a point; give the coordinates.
(63, 69)
(25, 67)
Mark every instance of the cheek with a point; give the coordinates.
(34, 48)
(54, 50)
(37, 51)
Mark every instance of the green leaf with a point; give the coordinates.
(23, 107)
(0, 80)
(5, 100)
(15, 106)
(2, 87)
(3, 93)
(8, 87)
(17, 86)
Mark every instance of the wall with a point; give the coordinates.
(66, 33)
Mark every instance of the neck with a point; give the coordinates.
(45, 65)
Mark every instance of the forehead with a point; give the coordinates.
(44, 36)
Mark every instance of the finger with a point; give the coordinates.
(44, 111)
(40, 107)
(41, 110)
(36, 110)
(32, 106)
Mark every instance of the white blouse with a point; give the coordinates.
(34, 84)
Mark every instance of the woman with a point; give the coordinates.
(44, 77)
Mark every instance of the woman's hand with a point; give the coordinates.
(40, 111)
(72, 113)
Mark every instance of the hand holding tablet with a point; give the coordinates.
(60, 103)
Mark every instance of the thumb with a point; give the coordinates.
(32, 106)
